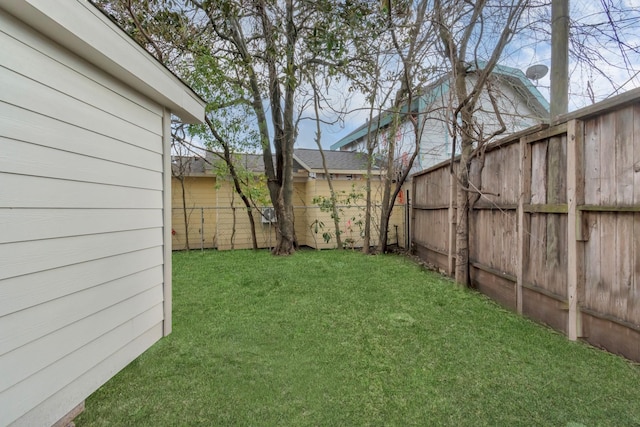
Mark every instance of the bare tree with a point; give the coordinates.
(269, 46)
(180, 168)
(469, 31)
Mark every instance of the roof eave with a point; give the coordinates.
(82, 28)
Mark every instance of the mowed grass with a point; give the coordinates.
(342, 339)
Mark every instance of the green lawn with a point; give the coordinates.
(342, 339)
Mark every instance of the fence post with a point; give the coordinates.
(201, 229)
(523, 217)
(575, 197)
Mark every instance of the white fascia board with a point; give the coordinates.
(80, 27)
(301, 163)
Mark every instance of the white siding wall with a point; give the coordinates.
(81, 227)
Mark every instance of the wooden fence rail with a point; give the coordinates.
(556, 232)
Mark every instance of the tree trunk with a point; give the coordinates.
(366, 245)
(238, 188)
(462, 226)
(184, 213)
(388, 179)
(334, 200)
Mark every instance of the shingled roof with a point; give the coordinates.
(303, 159)
(337, 161)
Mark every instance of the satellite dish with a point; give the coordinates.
(536, 72)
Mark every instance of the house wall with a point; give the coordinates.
(81, 226)
(233, 229)
(435, 145)
(226, 224)
(352, 216)
(202, 214)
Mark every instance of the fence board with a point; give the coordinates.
(510, 192)
(592, 162)
(539, 173)
(624, 156)
(535, 250)
(555, 267)
(636, 154)
(608, 294)
(634, 297)
(519, 235)
(624, 260)
(607, 160)
(593, 276)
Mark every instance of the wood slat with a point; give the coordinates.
(624, 156)
(636, 154)
(608, 295)
(608, 181)
(592, 162)
(539, 173)
(625, 269)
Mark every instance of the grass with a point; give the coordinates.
(341, 339)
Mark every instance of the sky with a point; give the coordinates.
(586, 84)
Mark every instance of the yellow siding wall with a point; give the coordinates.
(226, 223)
(352, 219)
(234, 230)
(300, 211)
(200, 194)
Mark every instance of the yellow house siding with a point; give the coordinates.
(300, 211)
(200, 194)
(226, 224)
(234, 230)
(349, 216)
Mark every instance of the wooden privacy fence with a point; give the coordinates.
(556, 233)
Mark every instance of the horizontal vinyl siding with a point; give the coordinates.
(74, 326)
(55, 193)
(53, 408)
(22, 225)
(81, 227)
(21, 292)
(23, 158)
(28, 126)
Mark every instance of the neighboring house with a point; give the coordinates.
(216, 216)
(85, 235)
(520, 103)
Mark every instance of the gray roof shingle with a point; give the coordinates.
(303, 158)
